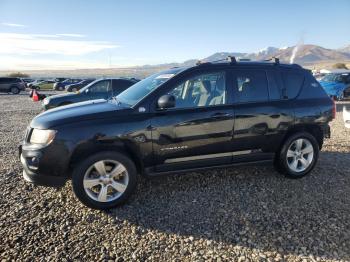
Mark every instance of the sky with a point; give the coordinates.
(68, 34)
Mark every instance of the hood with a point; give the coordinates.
(64, 95)
(88, 110)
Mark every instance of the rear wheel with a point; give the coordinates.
(74, 89)
(104, 180)
(14, 90)
(298, 155)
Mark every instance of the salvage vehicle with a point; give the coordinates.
(12, 85)
(180, 120)
(99, 89)
(77, 86)
(337, 85)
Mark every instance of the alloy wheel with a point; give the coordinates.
(300, 155)
(106, 180)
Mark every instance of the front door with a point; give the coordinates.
(198, 131)
(100, 90)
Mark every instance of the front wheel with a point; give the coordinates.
(104, 180)
(298, 155)
(14, 90)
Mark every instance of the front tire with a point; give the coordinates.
(104, 180)
(298, 155)
(14, 90)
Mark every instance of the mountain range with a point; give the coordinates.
(309, 56)
(304, 54)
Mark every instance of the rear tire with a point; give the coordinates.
(298, 155)
(94, 181)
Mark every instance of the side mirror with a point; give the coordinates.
(166, 101)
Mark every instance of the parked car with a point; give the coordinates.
(99, 89)
(337, 85)
(78, 86)
(60, 86)
(38, 84)
(12, 85)
(179, 120)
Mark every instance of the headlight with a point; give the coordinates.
(46, 101)
(42, 137)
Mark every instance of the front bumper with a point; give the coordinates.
(37, 170)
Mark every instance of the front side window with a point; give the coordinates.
(201, 90)
(251, 86)
(100, 87)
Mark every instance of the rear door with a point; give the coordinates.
(261, 114)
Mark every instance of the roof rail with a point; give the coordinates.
(276, 60)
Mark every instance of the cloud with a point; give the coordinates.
(28, 63)
(71, 35)
(31, 44)
(13, 24)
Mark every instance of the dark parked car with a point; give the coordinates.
(60, 86)
(99, 89)
(12, 85)
(180, 120)
(78, 86)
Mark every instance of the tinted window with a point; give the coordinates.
(274, 89)
(101, 87)
(251, 86)
(121, 85)
(292, 83)
(200, 90)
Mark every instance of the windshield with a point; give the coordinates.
(136, 92)
(332, 78)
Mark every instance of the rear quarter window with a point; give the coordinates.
(293, 82)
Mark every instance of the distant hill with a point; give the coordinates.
(310, 56)
(305, 54)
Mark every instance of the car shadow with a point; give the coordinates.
(253, 207)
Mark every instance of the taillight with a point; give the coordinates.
(334, 109)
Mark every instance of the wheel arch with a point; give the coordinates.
(313, 129)
(82, 151)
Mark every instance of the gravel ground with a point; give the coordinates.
(238, 214)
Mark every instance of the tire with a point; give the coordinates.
(74, 89)
(61, 88)
(305, 162)
(15, 90)
(86, 173)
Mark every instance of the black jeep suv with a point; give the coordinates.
(182, 119)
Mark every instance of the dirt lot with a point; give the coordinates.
(238, 214)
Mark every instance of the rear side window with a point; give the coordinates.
(274, 85)
(292, 83)
(251, 86)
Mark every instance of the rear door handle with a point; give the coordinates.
(220, 115)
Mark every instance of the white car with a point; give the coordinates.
(346, 116)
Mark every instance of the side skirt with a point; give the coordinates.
(150, 172)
